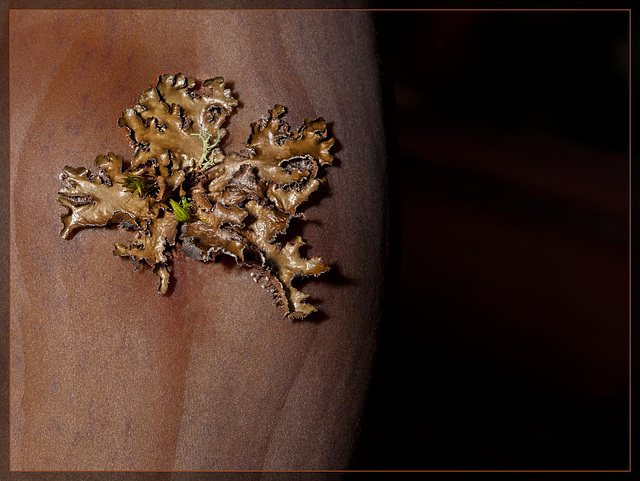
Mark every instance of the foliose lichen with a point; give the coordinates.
(182, 191)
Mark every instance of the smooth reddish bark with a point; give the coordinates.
(106, 374)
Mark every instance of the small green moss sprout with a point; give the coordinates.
(181, 209)
(138, 184)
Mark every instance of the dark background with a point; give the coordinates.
(505, 339)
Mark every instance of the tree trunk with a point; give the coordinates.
(108, 375)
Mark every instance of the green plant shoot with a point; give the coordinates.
(138, 184)
(181, 209)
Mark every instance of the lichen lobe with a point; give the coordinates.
(181, 188)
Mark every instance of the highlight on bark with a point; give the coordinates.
(181, 190)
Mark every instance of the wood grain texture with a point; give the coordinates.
(106, 374)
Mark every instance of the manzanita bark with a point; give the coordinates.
(181, 189)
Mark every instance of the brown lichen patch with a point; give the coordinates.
(152, 244)
(182, 188)
(168, 120)
(94, 201)
(210, 233)
(281, 263)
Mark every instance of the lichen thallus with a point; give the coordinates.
(140, 185)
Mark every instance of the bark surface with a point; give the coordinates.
(107, 375)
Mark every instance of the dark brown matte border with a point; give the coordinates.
(5, 273)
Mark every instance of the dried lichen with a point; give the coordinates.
(181, 189)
